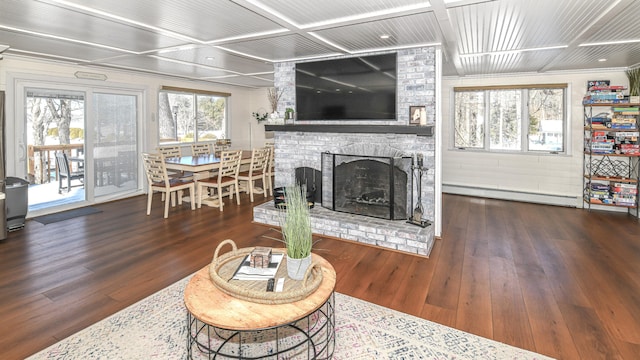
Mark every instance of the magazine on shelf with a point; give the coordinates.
(246, 272)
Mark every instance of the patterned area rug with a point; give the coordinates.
(155, 328)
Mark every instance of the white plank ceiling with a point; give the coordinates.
(237, 41)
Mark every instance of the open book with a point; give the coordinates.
(246, 272)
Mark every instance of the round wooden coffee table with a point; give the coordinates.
(221, 326)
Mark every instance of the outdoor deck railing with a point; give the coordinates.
(45, 157)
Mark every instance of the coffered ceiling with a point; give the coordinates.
(237, 41)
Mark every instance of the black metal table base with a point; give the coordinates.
(312, 337)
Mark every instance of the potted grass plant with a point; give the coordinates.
(295, 224)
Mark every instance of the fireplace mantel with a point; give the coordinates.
(371, 129)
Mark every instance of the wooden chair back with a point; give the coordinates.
(229, 164)
(170, 151)
(201, 149)
(270, 157)
(155, 169)
(259, 161)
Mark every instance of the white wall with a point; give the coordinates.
(543, 178)
(244, 130)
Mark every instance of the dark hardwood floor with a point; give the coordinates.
(559, 281)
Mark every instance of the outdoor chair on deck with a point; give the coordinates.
(66, 174)
(256, 171)
(227, 177)
(159, 181)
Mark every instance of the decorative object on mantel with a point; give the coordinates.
(295, 223)
(289, 115)
(634, 85)
(418, 115)
(274, 96)
(260, 116)
(418, 211)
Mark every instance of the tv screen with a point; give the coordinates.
(356, 88)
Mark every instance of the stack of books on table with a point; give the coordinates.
(247, 272)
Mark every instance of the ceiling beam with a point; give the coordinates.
(450, 43)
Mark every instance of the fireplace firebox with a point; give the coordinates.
(373, 186)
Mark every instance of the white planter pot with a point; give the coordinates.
(296, 268)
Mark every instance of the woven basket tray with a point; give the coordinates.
(223, 267)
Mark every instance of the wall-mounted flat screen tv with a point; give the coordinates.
(355, 88)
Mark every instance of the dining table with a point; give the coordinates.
(202, 164)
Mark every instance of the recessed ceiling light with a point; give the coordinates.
(385, 36)
(210, 58)
(602, 60)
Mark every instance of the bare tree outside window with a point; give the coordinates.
(505, 120)
(53, 118)
(469, 119)
(546, 119)
(188, 117)
(527, 119)
(211, 116)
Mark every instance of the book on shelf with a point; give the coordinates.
(247, 272)
(597, 83)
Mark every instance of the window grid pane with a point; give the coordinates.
(469, 119)
(505, 120)
(211, 115)
(546, 120)
(190, 117)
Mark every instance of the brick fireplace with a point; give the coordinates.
(297, 147)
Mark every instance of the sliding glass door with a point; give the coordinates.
(97, 127)
(115, 165)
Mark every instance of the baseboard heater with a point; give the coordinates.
(513, 195)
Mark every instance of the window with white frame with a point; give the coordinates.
(188, 116)
(530, 118)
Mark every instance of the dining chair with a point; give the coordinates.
(257, 171)
(270, 169)
(66, 173)
(159, 181)
(173, 151)
(227, 177)
(201, 149)
(223, 144)
(170, 150)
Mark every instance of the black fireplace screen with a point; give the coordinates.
(367, 185)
